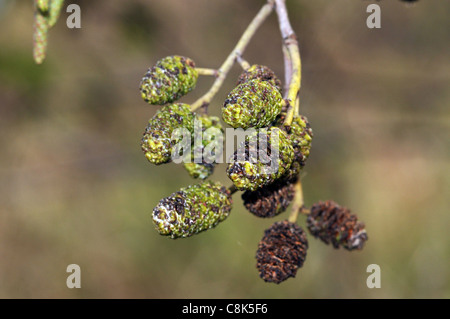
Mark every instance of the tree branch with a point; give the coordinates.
(291, 44)
(207, 71)
(263, 13)
(298, 201)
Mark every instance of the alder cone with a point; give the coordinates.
(260, 72)
(336, 225)
(167, 81)
(157, 142)
(256, 169)
(254, 104)
(270, 200)
(300, 134)
(192, 210)
(281, 252)
(207, 136)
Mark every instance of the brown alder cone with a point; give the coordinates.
(270, 200)
(336, 225)
(281, 252)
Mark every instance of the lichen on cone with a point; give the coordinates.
(260, 72)
(281, 252)
(157, 141)
(207, 140)
(252, 166)
(167, 81)
(254, 103)
(299, 133)
(192, 209)
(336, 225)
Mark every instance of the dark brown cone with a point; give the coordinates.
(270, 200)
(281, 252)
(336, 225)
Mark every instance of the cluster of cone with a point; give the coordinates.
(171, 78)
(167, 81)
(256, 102)
(282, 250)
(195, 208)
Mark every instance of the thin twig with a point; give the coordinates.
(244, 64)
(297, 107)
(297, 205)
(305, 211)
(232, 189)
(206, 71)
(291, 44)
(231, 59)
(287, 70)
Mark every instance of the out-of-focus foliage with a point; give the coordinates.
(76, 188)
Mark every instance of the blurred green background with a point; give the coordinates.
(76, 188)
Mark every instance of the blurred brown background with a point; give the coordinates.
(76, 188)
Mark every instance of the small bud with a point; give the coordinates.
(258, 168)
(157, 142)
(254, 103)
(171, 78)
(270, 200)
(192, 210)
(260, 72)
(281, 252)
(336, 225)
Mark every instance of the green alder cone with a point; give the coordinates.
(254, 171)
(210, 127)
(192, 210)
(300, 134)
(157, 143)
(254, 103)
(167, 81)
(262, 73)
